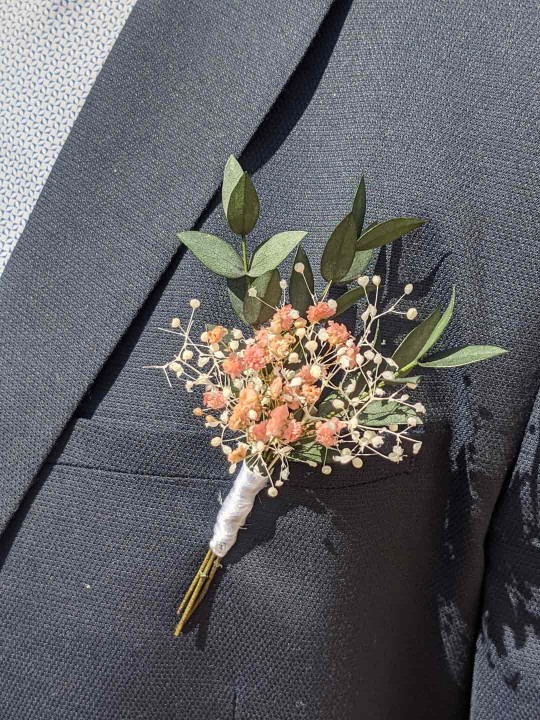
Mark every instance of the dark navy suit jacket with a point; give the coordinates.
(402, 591)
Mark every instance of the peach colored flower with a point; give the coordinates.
(292, 431)
(282, 320)
(258, 431)
(290, 397)
(279, 417)
(279, 345)
(328, 431)
(318, 312)
(233, 365)
(216, 334)
(276, 386)
(262, 337)
(237, 454)
(300, 322)
(337, 333)
(255, 357)
(311, 393)
(214, 399)
(248, 399)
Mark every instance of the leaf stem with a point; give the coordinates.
(244, 253)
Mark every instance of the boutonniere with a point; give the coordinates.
(293, 383)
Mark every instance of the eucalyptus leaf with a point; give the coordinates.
(273, 251)
(387, 231)
(359, 206)
(218, 256)
(231, 175)
(339, 251)
(440, 327)
(243, 208)
(268, 290)
(361, 260)
(348, 299)
(456, 357)
(236, 289)
(409, 351)
(301, 285)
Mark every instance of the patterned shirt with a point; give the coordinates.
(51, 52)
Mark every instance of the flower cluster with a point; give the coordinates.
(301, 389)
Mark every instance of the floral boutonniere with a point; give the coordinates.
(296, 385)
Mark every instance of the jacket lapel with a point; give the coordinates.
(185, 85)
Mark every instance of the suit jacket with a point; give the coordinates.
(398, 591)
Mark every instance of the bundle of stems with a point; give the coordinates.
(197, 590)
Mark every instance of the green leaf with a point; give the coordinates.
(273, 251)
(359, 206)
(348, 299)
(380, 413)
(456, 357)
(409, 351)
(339, 251)
(243, 208)
(311, 452)
(231, 175)
(386, 232)
(326, 409)
(360, 262)
(236, 289)
(440, 327)
(301, 285)
(215, 253)
(269, 290)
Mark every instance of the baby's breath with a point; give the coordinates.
(299, 389)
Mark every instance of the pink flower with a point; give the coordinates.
(351, 353)
(307, 377)
(233, 365)
(262, 337)
(279, 417)
(255, 357)
(282, 319)
(318, 312)
(214, 399)
(337, 333)
(258, 431)
(292, 431)
(328, 431)
(276, 386)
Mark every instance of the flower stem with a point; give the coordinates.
(197, 590)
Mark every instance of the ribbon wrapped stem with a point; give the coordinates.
(231, 517)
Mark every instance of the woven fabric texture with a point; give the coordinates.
(364, 595)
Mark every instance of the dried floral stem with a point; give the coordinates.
(197, 590)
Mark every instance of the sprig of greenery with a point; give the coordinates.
(345, 258)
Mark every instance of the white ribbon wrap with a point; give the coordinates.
(235, 509)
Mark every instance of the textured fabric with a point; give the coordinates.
(506, 678)
(142, 160)
(353, 596)
(50, 55)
